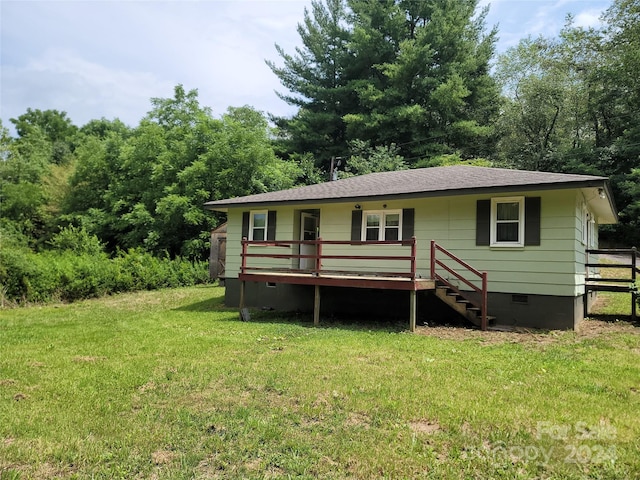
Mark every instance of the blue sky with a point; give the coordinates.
(107, 58)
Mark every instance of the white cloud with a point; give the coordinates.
(62, 80)
(94, 59)
(108, 58)
(588, 18)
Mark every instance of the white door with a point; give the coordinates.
(308, 231)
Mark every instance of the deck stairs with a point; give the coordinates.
(449, 271)
(461, 304)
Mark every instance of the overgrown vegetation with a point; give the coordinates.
(77, 267)
(170, 384)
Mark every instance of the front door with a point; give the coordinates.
(308, 231)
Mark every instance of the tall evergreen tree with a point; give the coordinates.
(317, 83)
(403, 72)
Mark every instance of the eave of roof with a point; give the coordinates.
(423, 182)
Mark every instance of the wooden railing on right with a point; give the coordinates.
(626, 284)
(481, 276)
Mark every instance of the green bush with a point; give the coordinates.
(65, 275)
(77, 240)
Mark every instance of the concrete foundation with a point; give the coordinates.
(529, 311)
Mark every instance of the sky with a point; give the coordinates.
(107, 58)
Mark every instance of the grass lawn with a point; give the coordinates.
(170, 384)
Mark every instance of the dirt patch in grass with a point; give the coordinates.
(595, 328)
(426, 427)
(589, 328)
(358, 420)
(163, 457)
(44, 471)
(87, 359)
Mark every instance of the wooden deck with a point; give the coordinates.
(340, 279)
(407, 279)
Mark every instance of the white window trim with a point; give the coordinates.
(593, 228)
(252, 215)
(381, 227)
(494, 221)
(585, 225)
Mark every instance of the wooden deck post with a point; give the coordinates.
(316, 306)
(241, 306)
(243, 268)
(634, 276)
(432, 262)
(485, 298)
(412, 310)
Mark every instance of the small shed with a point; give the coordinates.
(218, 254)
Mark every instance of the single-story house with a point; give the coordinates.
(497, 245)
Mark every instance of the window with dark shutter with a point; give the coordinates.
(408, 221)
(356, 225)
(271, 225)
(259, 225)
(245, 224)
(532, 220)
(483, 222)
(508, 221)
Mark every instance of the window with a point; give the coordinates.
(507, 221)
(592, 232)
(585, 224)
(588, 228)
(382, 225)
(518, 226)
(258, 225)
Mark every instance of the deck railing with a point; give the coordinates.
(615, 284)
(320, 256)
(482, 276)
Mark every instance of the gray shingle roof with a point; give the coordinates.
(435, 181)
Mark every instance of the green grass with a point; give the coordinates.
(169, 384)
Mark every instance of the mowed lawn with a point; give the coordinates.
(170, 384)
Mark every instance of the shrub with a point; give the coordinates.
(77, 240)
(65, 275)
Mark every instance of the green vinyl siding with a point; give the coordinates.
(335, 224)
(555, 267)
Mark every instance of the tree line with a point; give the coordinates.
(381, 85)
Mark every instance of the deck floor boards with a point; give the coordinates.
(341, 280)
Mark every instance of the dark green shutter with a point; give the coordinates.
(483, 222)
(245, 225)
(271, 225)
(532, 220)
(408, 221)
(356, 225)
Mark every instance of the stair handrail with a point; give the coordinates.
(483, 291)
(634, 266)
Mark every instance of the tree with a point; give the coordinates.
(56, 127)
(410, 73)
(24, 164)
(536, 80)
(572, 105)
(435, 94)
(315, 78)
(365, 159)
(147, 186)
